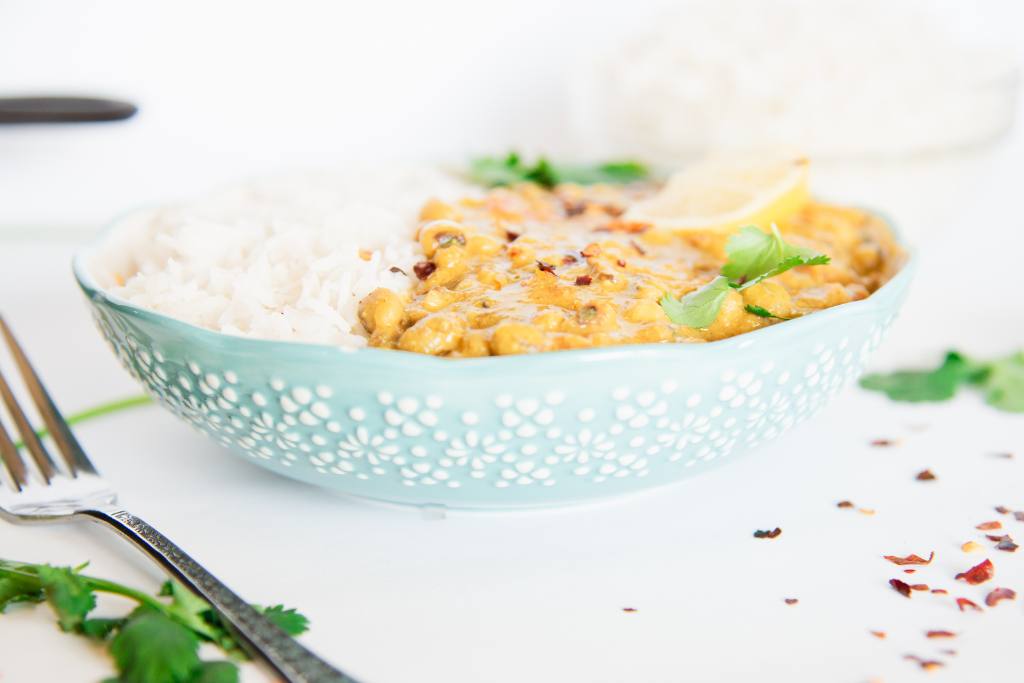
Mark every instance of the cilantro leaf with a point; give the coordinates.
(153, 648)
(1003, 384)
(614, 173)
(69, 595)
(509, 170)
(939, 384)
(762, 312)
(100, 628)
(216, 672)
(17, 585)
(190, 609)
(755, 255)
(700, 307)
(288, 620)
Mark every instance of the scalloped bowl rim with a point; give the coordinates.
(395, 358)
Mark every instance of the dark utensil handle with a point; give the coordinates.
(63, 109)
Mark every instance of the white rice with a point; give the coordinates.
(276, 259)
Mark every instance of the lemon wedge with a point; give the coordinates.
(723, 195)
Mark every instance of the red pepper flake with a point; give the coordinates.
(882, 443)
(1002, 509)
(844, 504)
(940, 591)
(910, 559)
(396, 269)
(791, 601)
(640, 250)
(878, 634)
(568, 259)
(1019, 516)
(613, 211)
(998, 594)
(940, 634)
(866, 511)
(900, 587)
(620, 263)
(629, 609)
(919, 587)
(583, 280)
(925, 475)
(963, 603)
(926, 664)
(574, 208)
(424, 269)
(774, 533)
(909, 571)
(979, 573)
(511, 236)
(1003, 542)
(591, 250)
(545, 267)
(988, 526)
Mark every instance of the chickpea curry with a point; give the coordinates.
(525, 269)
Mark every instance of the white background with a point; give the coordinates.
(507, 597)
(233, 88)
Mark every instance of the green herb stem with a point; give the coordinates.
(98, 411)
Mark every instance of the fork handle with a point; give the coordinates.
(259, 636)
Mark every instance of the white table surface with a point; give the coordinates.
(395, 596)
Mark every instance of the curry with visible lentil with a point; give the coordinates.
(525, 269)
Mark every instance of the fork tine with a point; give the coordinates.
(12, 460)
(66, 442)
(28, 436)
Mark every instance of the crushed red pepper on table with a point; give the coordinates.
(940, 634)
(909, 571)
(878, 634)
(940, 591)
(910, 559)
(926, 664)
(919, 587)
(882, 443)
(963, 603)
(1003, 542)
(979, 573)
(774, 533)
(970, 547)
(629, 609)
(1019, 516)
(866, 511)
(925, 475)
(844, 504)
(791, 601)
(1002, 509)
(998, 594)
(901, 587)
(988, 526)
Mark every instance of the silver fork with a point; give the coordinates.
(50, 494)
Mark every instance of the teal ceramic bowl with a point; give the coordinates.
(497, 432)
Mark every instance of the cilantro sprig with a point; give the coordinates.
(753, 256)
(511, 169)
(1000, 380)
(158, 642)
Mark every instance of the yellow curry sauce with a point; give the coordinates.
(525, 269)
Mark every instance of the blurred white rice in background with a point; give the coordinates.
(837, 79)
(287, 258)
